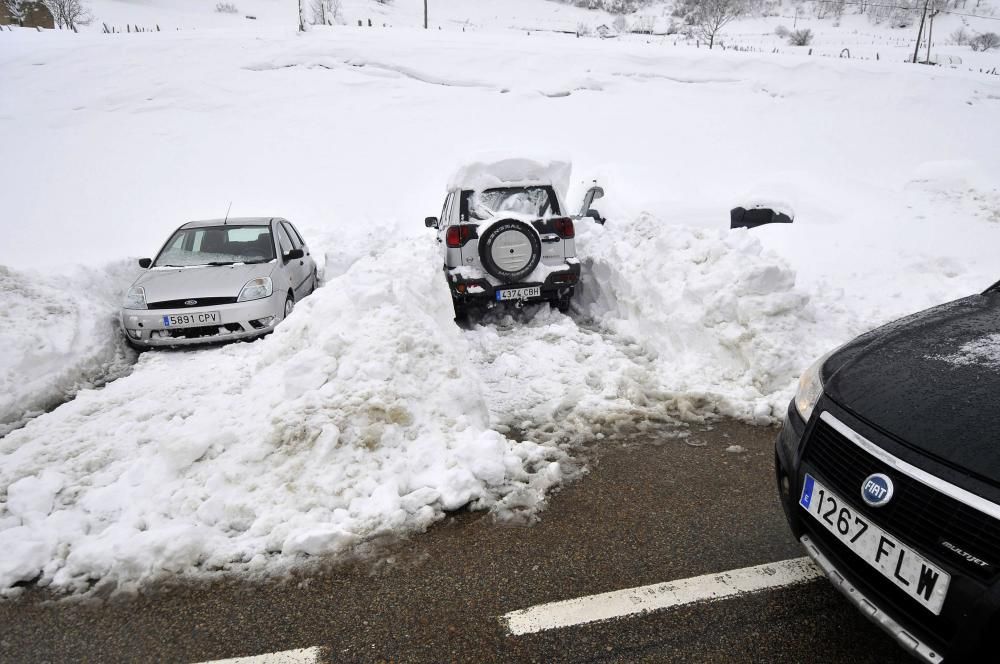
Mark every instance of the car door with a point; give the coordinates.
(310, 264)
(294, 269)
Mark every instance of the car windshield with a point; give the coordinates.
(217, 245)
(531, 201)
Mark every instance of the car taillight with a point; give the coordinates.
(564, 227)
(458, 235)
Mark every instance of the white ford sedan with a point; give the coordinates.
(218, 280)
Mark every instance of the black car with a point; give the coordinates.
(888, 467)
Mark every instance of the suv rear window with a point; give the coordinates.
(489, 203)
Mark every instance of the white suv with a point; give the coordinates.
(506, 236)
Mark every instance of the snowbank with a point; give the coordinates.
(361, 414)
(59, 334)
(722, 315)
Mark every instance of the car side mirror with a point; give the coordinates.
(431, 222)
(144, 263)
(294, 254)
(596, 216)
(592, 195)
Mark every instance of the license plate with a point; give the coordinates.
(912, 573)
(518, 293)
(192, 320)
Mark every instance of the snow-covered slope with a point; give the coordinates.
(369, 411)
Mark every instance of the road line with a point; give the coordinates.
(620, 603)
(300, 656)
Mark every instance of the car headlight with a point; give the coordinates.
(255, 289)
(135, 298)
(810, 387)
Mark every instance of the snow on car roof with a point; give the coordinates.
(512, 172)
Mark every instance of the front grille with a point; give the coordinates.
(916, 512)
(198, 302)
(194, 332)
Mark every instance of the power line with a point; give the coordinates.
(904, 7)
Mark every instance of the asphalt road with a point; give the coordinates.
(650, 509)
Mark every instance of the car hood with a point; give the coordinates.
(932, 380)
(180, 283)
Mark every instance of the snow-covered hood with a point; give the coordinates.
(179, 283)
(931, 379)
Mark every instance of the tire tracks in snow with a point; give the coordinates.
(564, 379)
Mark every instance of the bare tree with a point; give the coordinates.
(713, 15)
(302, 15)
(15, 9)
(69, 13)
(326, 12)
(985, 41)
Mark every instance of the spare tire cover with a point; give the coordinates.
(510, 250)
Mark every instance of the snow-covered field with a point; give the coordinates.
(369, 411)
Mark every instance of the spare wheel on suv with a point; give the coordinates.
(510, 250)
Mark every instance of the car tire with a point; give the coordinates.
(510, 250)
(289, 306)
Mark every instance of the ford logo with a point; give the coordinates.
(877, 490)
(190, 303)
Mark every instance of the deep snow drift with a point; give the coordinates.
(360, 415)
(59, 335)
(369, 411)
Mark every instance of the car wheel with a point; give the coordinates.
(289, 306)
(315, 283)
(510, 250)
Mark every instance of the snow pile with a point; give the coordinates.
(722, 315)
(360, 415)
(59, 335)
(512, 172)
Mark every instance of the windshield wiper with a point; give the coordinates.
(221, 263)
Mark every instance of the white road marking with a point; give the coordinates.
(644, 599)
(300, 656)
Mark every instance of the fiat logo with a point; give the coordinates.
(190, 303)
(877, 490)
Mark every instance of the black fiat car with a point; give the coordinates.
(888, 467)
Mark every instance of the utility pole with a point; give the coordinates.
(425, 14)
(920, 32)
(930, 32)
